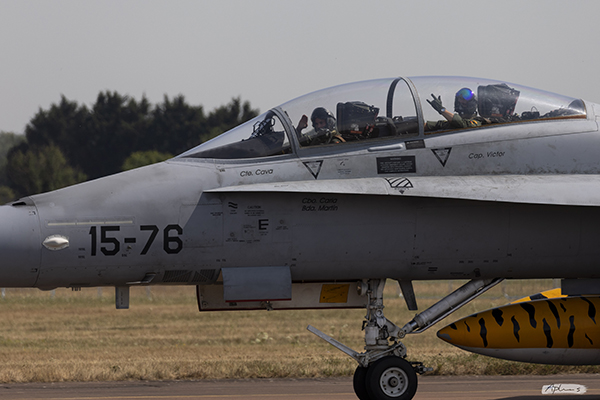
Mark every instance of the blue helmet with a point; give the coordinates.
(465, 103)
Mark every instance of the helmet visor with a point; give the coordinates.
(465, 94)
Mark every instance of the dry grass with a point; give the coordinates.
(80, 336)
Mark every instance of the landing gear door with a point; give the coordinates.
(257, 283)
(305, 296)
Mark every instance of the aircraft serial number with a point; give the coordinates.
(110, 245)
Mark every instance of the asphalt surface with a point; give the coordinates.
(430, 388)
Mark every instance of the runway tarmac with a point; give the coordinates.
(430, 388)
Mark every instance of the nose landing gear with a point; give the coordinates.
(383, 372)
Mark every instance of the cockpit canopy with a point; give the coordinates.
(387, 109)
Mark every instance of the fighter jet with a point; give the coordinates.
(317, 202)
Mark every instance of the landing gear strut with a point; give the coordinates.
(383, 372)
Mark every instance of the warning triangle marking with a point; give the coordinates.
(442, 155)
(314, 167)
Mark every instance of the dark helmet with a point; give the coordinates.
(465, 103)
(325, 115)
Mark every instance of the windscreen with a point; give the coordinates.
(262, 136)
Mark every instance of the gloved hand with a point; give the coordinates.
(436, 103)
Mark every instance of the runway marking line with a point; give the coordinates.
(200, 396)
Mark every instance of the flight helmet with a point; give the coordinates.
(325, 115)
(465, 103)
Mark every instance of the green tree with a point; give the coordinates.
(229, 116)
(36, 170)
(62, 125)
(176, 126)
(96, 141)
(6, 195)
(115, 128)
(141, 158)
(8, 140)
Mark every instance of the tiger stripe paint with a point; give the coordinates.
(548, 294)
(561, 330)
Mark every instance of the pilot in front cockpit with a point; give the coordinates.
(464, 116)
(324, 128)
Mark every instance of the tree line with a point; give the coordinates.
(70, 142)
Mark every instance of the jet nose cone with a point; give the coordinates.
(461, 334)
(19, 245)
(450, 334)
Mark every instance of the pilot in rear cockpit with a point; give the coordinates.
(324, 128)
(464, 116)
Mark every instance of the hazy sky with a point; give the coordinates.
(268, 52)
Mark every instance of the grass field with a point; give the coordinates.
(80, 336)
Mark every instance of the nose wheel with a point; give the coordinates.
(360, 383)
(388, 378)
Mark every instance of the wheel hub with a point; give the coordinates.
(393, 382)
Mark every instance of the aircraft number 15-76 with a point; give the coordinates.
(110, 245)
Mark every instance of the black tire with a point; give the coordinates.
(391, 378)
(360, 386)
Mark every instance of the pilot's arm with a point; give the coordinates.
(304, 138)
(436, 103)
(454, 119)
(302, 124)
(448, 115)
